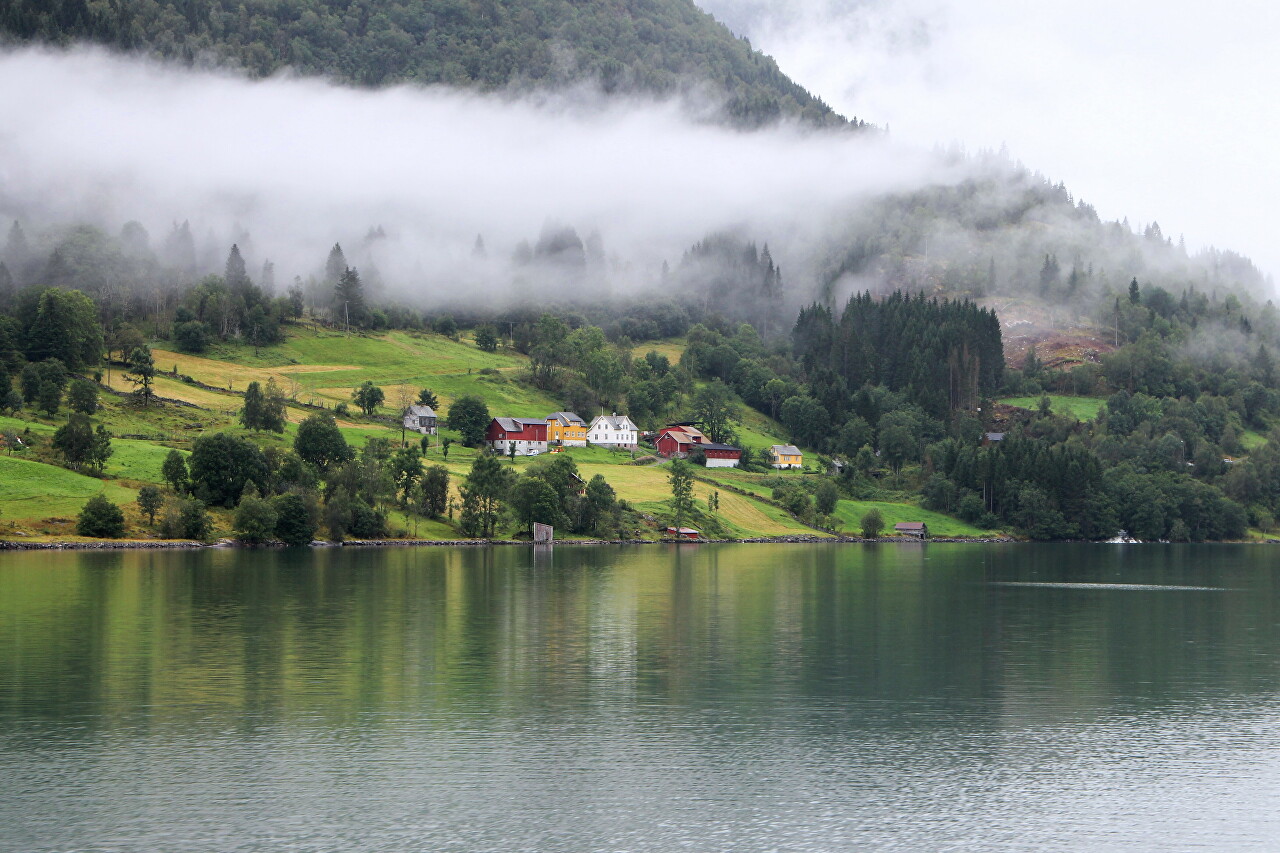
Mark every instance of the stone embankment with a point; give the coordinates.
(136, 544)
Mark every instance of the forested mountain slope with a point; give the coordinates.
(656, 47)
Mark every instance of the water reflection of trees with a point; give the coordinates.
(353, 634)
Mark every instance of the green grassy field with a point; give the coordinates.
(1080, 408)
(136, 460)
(32, 491)
(849, 514)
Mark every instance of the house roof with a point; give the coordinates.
(684, 530)
(421, 412)
(909, 525)
(995, 436)
(618, 422)
(711, 445)
(518, 424)
(786, 450)
(677, 436)
(566, 418)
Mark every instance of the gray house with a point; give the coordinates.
(420, 419)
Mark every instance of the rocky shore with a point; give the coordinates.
(136, 544)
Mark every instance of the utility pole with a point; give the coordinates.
(346, 316)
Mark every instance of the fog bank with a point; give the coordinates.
(1150, 112)
(298, 164)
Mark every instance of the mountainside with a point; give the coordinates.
(655, 47)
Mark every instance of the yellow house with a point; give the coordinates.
(566, 428)
(786, 456)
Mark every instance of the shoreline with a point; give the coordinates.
(188, 545)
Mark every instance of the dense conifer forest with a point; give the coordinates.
(655, 48)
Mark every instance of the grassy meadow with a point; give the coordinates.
(320, 367)
(1080, 408)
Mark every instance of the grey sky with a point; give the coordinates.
(1151, 111)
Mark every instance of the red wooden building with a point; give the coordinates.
(524, 436)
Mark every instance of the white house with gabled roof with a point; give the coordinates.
(614, 431)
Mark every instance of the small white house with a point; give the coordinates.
(420, 419)
(614, 431)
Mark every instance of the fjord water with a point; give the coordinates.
(654, 698)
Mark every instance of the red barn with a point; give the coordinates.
(523, 436)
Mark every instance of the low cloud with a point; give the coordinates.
(299, 164)
(1146, 111)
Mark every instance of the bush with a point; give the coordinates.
(150, 500)
(255, 519)
(294, 525)
(186, 519)
(192, 336)
(100, 518)
(872, 524)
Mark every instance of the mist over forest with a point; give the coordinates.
(444, 198)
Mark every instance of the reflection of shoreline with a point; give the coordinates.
(170, 545)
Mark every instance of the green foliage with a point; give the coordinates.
(470, 417)
(294, 523)
(433, 491)
(255, 520)
(656, 48)
(81, 445)
(186, 518)
(142, 372)
(83, 397)
(942, 355)
(681, 480)
(427, 398)
(533, 500)
(150, 500)
(368, 397)
(221, 465)
(483, 495)
(348, 300)
(191, 336)
(872, 524)
(174, 472)
(716, 410)
(66, 328)
(487, 338)
(320, 442)
(101, 519)
(825, 497)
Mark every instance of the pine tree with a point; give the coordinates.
(236, 277)
(335, 266)
(349, 299)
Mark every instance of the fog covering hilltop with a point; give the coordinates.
(576, 183)
(659, 48)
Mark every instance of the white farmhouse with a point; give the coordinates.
(614, 431)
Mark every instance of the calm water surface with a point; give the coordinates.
(706, 698)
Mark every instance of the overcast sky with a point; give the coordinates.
(1151, 111)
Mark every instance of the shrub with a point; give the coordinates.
(186, 519)
(255, 521)
(100, 518)
(872, 524)
(294, 524)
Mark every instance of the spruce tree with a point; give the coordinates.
(251, 414)
(349, 299)
(236, 277)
